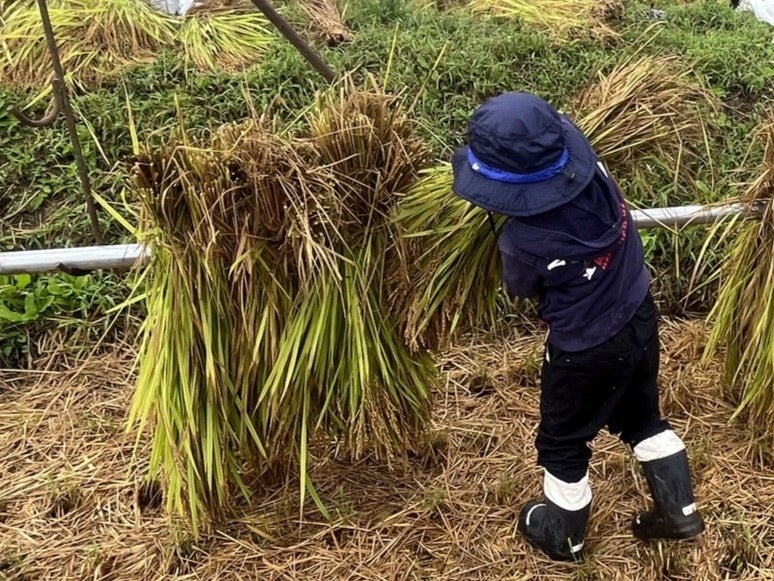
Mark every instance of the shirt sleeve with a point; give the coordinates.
(521, 279)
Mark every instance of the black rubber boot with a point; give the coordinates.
(674, 514)
(557, 532)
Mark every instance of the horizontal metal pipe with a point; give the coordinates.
(73, 259)
(124, 256)
(690, 215)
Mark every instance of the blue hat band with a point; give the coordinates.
(508, 177)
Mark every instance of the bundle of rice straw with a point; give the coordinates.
(326, 21)
(648, 110)
(268, 326)
(558, 18)
(743, 317)
(645, 108)
(98, 38)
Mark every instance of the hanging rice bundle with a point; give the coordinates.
(369, 144)
(208, 290)
(558, 18)
(666, 113)
(744, 313)
(652, 109)
(268, 326)
(457, 268)
(97, 38)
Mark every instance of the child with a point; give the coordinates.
(571, 243)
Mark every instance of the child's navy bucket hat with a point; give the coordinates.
(522, 157)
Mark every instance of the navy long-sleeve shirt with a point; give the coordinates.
(584, 262)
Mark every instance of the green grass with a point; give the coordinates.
(478, 58)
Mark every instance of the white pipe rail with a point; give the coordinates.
(124, 256)
(116, 257)
(681, 216)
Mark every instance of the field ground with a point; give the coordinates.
(72, 504)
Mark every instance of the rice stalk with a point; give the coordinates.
(370, 143)
(94, 38)
(647, 108)
(457, 269)
(650, 108)
(219, 5)
(381, 400)
(225, 40)
(98, 38)
(326, 21)
(188, 382)
(558, 18)
(743, 317)
(220, 220)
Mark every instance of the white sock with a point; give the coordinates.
(567, 495)
(659, 446)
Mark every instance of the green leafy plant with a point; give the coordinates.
(30, 303)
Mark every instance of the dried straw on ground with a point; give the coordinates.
(74, 506)
(646, 109)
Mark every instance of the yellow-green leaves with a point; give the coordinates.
(224, 40)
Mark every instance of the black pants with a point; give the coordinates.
(613, 385)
